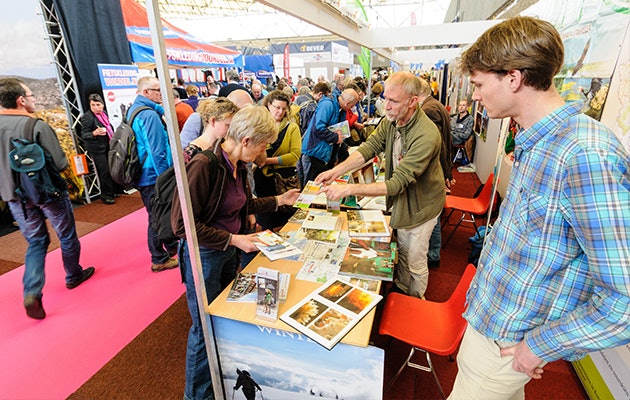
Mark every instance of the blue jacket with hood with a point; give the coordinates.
(318, 139)
(151, 140)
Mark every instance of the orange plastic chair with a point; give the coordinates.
(469, 207)
(427, 326)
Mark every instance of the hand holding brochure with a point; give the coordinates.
(274, 247)
(342, 127)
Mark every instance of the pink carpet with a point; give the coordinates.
(84, 327)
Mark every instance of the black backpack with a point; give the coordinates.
(162, 200)
(37, 178)
(125, 165)
(306, 113)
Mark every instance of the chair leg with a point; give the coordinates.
(428, 368)
(437, 381)
(448, 217)
(453, 231)
(389, 385)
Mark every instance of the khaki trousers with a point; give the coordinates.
(483, 373)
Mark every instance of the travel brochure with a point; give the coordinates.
(311, 196)
(370, 259)
(308, 195)
(274, 247)
(367, 223)
(331, 311)
(322, 227)
(342, 127)
(244, 287)
(267, 294)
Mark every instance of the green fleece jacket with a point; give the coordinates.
(415, 189)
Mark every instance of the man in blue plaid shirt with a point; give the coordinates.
(553, 280)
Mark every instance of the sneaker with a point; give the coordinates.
(169, 264)
(85, 275)
(34, 307)
(109, 201)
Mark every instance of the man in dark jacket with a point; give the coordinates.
(248, 383)
(18, 104)
(440, 117)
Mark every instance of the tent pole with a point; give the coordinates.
(159, 48)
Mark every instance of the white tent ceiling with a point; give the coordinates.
(404, 31)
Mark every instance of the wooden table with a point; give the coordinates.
(241, 339)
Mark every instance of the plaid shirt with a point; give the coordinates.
(555, 270)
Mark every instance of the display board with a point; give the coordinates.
(288, 365)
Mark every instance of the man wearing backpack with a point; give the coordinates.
(18, 104)
(306, 109)
(155, 153)
(318, 141)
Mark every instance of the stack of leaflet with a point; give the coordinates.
(368, 224)
(322, 226)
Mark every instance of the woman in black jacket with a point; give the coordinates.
(96, 131)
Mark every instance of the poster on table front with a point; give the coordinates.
(290, 366)
(119, 83)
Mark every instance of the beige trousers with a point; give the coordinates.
(412, 271)
(483, 373)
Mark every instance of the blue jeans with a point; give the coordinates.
(34, 230)
(158, 249)
(219, 270)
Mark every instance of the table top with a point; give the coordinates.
(298, 289)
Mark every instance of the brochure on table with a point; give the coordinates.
(267, 293)
(331, 311)
(370, 259)
(367, 223)
(274, 247)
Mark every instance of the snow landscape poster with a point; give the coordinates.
(290, 366)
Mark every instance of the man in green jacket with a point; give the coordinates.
(414, 183)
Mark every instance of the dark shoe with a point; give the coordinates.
(109, 201)
(85, 275)
(172, 253)
(34, 307)
(434, 263)
(169, 264)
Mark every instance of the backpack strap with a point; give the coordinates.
(276, 145)
(214, 163)
(132, 117)
(135, 112)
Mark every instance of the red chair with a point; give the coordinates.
(427, 326)
(469, 206)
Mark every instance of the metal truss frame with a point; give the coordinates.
(69, 91)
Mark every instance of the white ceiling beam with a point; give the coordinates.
(429, 56)
(316, 13)
(428, 35)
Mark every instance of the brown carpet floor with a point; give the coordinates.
(152, 365)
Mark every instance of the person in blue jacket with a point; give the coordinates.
(318, 141)
(154, 150)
